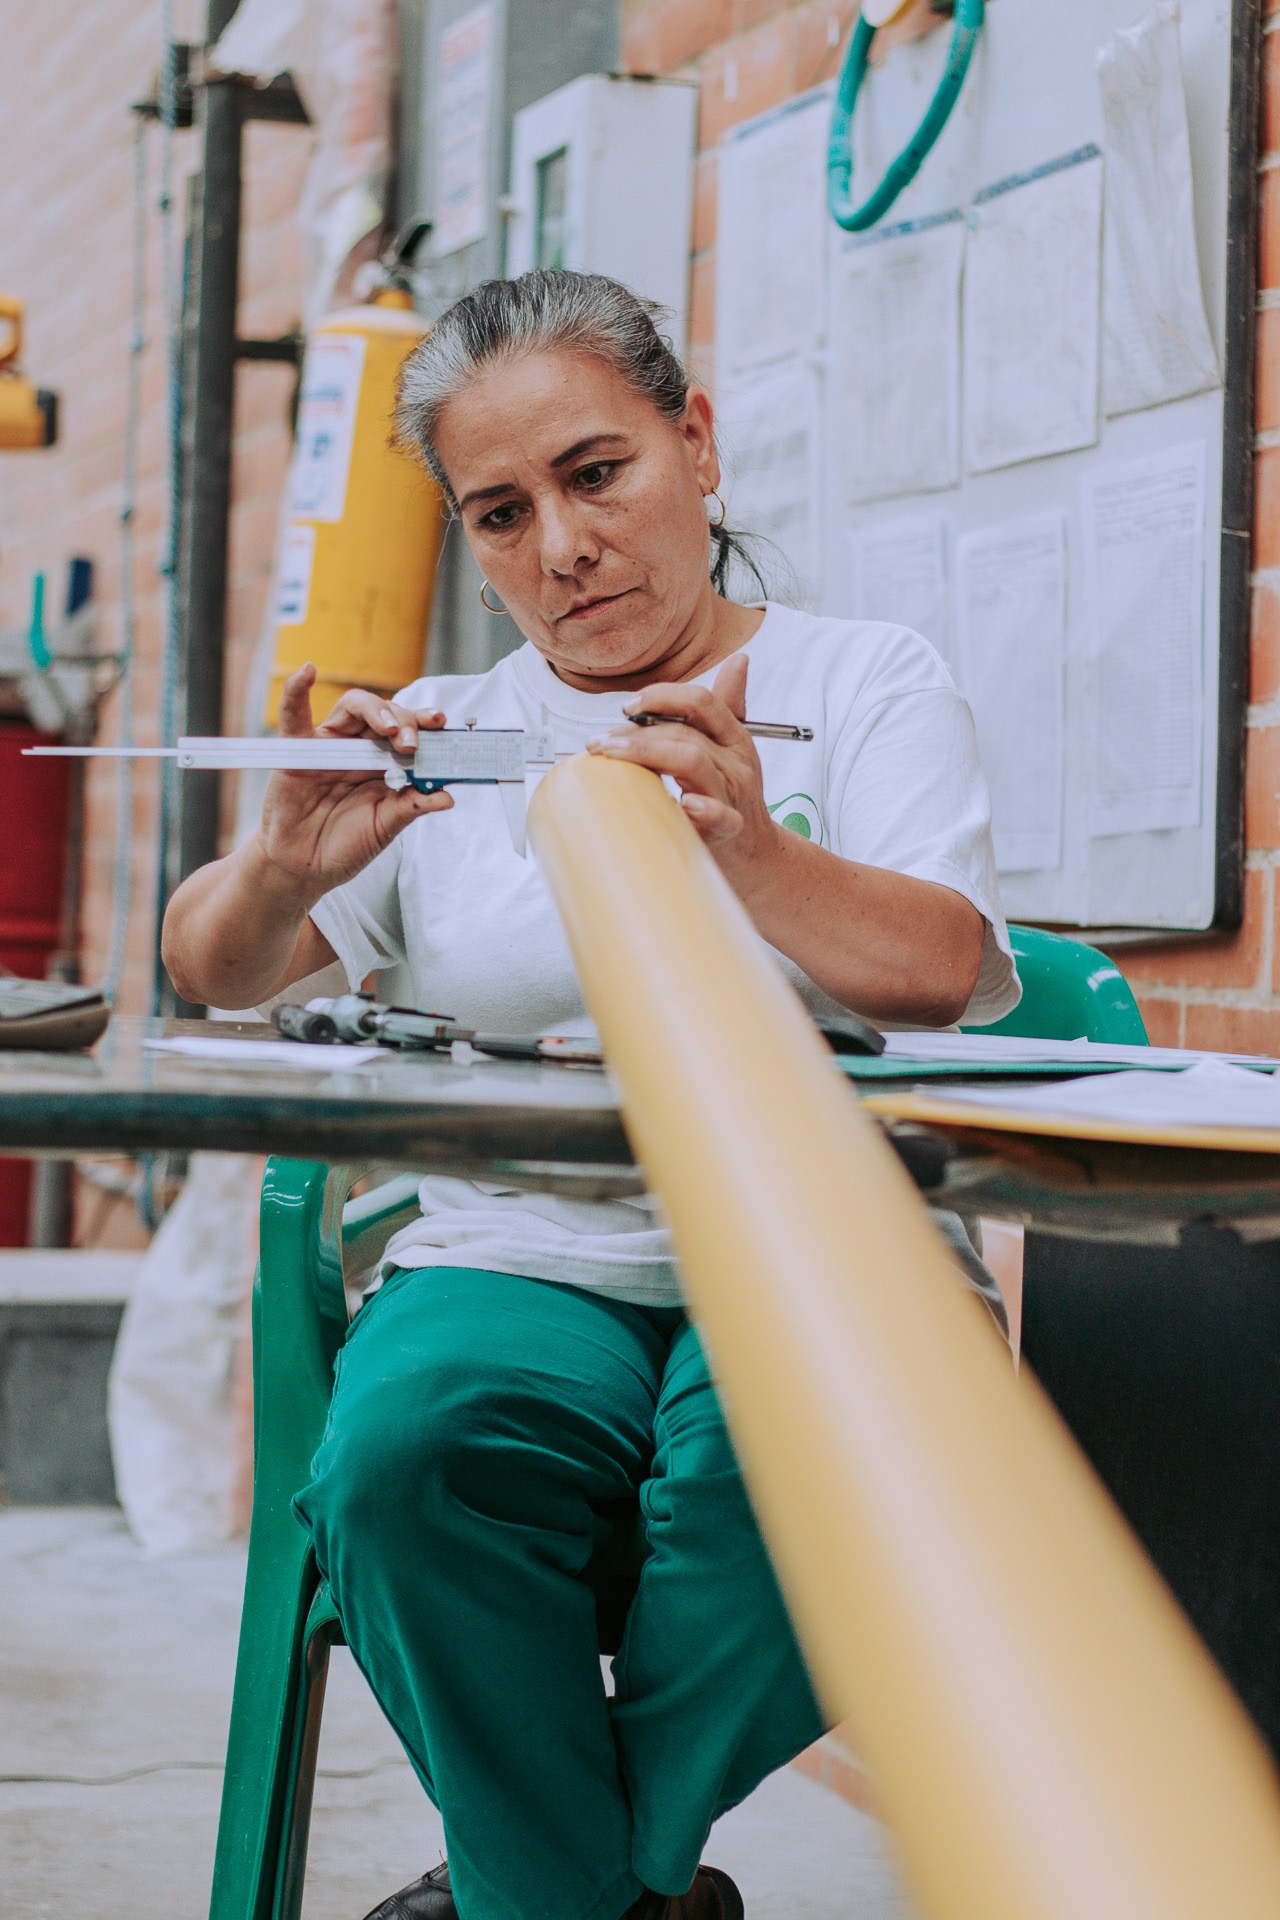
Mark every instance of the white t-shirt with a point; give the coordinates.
(891, 778)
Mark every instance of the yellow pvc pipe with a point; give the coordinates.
(1047, 1737)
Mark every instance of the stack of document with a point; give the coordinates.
(921, 1057)
(998, 1050)
(1213, 1092)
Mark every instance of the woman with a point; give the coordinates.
(523, 1423)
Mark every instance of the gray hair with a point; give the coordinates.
(548, 309)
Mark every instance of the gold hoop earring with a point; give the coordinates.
(485, 604)
(716, 525)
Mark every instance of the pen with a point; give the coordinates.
(759, 729)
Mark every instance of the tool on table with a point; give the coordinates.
(357, 1018)
(568, 1049)
(758, 729)
(46, 1014)
(311, 1025)
(470, 756)
(847, 1034)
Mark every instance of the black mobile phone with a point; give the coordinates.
(849, 1033)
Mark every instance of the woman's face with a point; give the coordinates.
(584, 509)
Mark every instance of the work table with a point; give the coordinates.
(558, 1128)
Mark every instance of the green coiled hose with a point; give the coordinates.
(856, 219)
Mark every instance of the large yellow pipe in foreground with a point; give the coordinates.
(1048, 1739)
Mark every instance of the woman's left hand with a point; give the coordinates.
(713, 760)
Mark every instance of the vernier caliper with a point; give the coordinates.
(447, 757)
(444, 757)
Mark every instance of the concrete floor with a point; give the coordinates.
(115, 1682)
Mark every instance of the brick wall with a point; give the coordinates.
(749, 55)
(1226, 992)
(67, 79)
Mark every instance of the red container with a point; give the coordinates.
(34, 807)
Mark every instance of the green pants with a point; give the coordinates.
(505, 1462)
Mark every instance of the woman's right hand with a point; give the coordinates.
(320, 829)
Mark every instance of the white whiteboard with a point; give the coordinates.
(1031, 100)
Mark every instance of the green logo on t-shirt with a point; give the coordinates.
(799, 814)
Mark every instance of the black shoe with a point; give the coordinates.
(730, 1899)
(427, 1899)
(712, 1896)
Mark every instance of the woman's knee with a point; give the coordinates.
(393, 1444)
(695, 1489)
(457, 1438)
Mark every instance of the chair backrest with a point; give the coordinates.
(369, 1221)
(1069, 992)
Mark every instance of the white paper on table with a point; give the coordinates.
(331, 375)
(1144, 559)
(895, 352)
(1156, 342)
(269, 1053)
(771, 239)
(900, 575)
(1010, 1050)
(1032, 290)
(462, 130)
(771, 435)
(1011, 622)
(1212, 1093)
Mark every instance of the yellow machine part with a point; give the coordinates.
(23, 421)
(361, 542)
(28, 416)
(883, 13)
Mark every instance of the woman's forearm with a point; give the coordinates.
(237, 931)
(881, 943)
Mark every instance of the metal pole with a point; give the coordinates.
(209, 356)
(51, 1208)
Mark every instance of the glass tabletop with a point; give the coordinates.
(558, 1127)
(417, 1108)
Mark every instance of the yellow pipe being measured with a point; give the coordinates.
(1048, 1738)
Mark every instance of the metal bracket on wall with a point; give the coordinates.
(287, 348)
(278, 100)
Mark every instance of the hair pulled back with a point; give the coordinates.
(547, 310)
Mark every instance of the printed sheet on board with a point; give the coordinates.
(1008, 400)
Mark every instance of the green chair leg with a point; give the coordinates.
(269, 1698)
(299, 1324)
(323, 1630)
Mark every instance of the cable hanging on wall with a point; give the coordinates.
(122, 876)
(876, 14)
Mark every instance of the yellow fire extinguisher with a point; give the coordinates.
(28, 415)
(364, 522)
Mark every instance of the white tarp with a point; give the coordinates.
(173, 1409)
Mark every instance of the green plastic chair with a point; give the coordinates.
(312, 1233)
(1069, 992)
